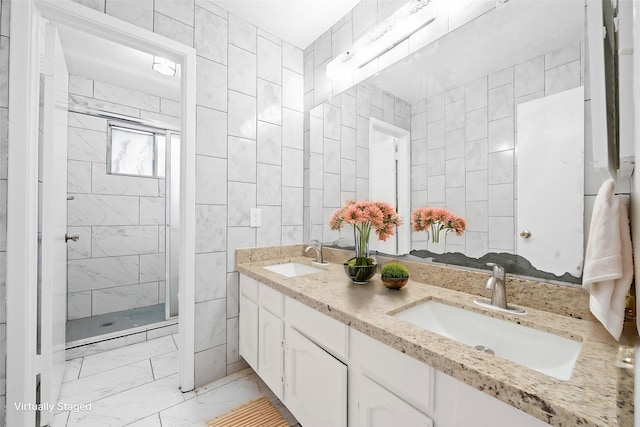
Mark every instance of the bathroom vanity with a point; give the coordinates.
(334, 353)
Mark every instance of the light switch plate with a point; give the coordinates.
(256, 217)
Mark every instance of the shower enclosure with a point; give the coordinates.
(123, 269)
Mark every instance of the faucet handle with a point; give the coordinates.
(498, 270)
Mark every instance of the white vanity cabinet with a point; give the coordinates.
(315, 383)
(317, 348)
(387, 387)
(261, 337)
(308, 358)
(378, 407)
(248, 322)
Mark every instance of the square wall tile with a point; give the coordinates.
(211, 132)
(211, 324)
(529, 77)
(501, 167)
(436, 161)
(476, 186)
(455, 173)
(292, 125)
(139, 13)
(292, 90)
(272, 234)
(173, 29)
(211, 81)
(501, 233)
(436, 189)
(211, 180)
(476, 94)
(269, 185)
(501, 101)
(269, 102)
(501, 134)
(270, 61)
(242, 70)
(269, 145)
(241, 198)
(242, 160)
(242, 115)
(292, 206)
(476, 124)
(211, 235)
(210, 365)
(455, 144)
(476, 155)
(211, 33)
(239, 237)
(181, 10)
(501, 200)
(477, 216)
(242, 33)
(211, 276)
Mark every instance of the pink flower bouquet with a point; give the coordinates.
(435, 220)
(363, 216)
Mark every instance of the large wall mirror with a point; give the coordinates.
(470, 100)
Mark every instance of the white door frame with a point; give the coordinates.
(22, 191)
(403, 175)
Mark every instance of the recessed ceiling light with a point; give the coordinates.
(164, 66)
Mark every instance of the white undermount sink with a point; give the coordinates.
(292, 269)
(542, 351)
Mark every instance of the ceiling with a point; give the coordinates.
(299, 22)
(99, 59)
(514, 33)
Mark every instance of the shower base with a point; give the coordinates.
(109, 323)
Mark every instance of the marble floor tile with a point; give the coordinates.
(150, 421)
(131, 405)
(126, 355)
(105, 384)
(165, 364)
(72, 370)
(195, 412)
(60, 420)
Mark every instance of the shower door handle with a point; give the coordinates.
(75, 237)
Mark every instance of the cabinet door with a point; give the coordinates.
(315, 383)
(270, 350)
(378, 407)
(248, 331)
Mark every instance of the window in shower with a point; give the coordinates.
(136, 151)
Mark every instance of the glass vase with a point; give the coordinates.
(362, 267)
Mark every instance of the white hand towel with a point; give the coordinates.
(608, 265)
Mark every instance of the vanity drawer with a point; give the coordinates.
(249, 288)
(404, 376)
(326, 332)
(271, 300)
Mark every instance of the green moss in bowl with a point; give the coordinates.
(394, 275)
(393, 270)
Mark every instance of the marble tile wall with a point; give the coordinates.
(249, 153)
(118, 263)
(464, 146)
(338, 166)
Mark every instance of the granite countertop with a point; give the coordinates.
(599, 392)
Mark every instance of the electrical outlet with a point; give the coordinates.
(256, 217)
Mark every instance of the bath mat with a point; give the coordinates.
(257, 413)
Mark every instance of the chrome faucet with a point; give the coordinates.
(496, 283)
(316, 246)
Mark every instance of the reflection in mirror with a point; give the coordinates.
(459, 96)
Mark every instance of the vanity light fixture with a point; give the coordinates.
(410, 18)
(164, 66)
